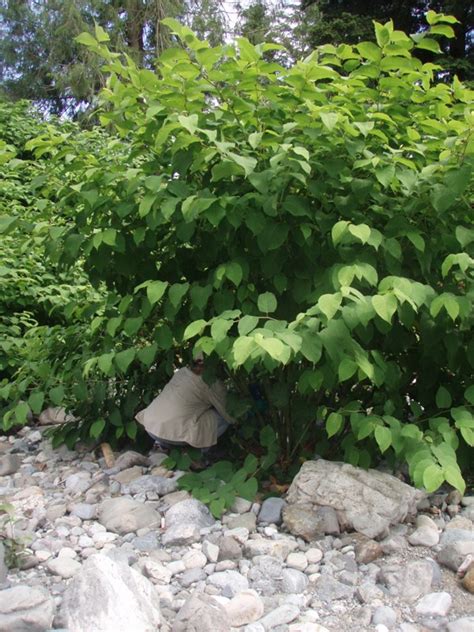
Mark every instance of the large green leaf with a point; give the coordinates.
(247, 324)
(267, 303)
(383, 436)
(123, 359)
(385, 306)
(329, 304)
(242, 349)
(155, 291)
(333, 424)
(194, 329)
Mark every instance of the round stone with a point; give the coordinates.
(298, 561)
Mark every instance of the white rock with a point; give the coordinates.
(124, 515)
(79, 482)
(422, 520)
(42, 555)
(189, 512)
(384, 615)
(107, 596)
(466, 624)
(103, 537)
(241, 505)
(314, 556)
(65, 567)
(435, 604)
(283, 614)
(342, 486)
(229, 582)
(181, 534)
(241, 534)
(194, 559)
(66, 551)
(299, 561)
(157, 572)
(245, 607)
(85, 541)
(24, 608)
(84, 511)
(275, 548)
(293, 581)
(424, 536)
(210, 550)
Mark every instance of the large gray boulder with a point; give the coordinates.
(367, 501)
(124, 515)
(106, 595)
(25, 609)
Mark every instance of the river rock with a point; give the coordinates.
(230, 583)
(365, 501)
(106, 596)
(424, 536)
(270, 511)
(9, 464)
(367, 551)
(275, 548)
(265, 575)
(64, 566)
(240, 505)
(194, 559)
(25, 609)
(329, 589)
(84, 511)
(243, 521)
(384, 615)
(155, 484)
(298, 561)
(465, 624)
(293, 581)
(181, 534)
(190, 511)
(304, 521)
(129, 459)
(434, 604)
(453, 554)
(229, 548)
(201, 613)
(124, 477)
(211, 551)
(409, 582)
(124, 515)
(244, 608)
(284, 614)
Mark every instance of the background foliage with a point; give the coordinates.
(308, 228)
(40, 59)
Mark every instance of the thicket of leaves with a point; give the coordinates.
(44, 324)
(309, 229)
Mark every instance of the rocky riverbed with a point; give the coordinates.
(120, 549)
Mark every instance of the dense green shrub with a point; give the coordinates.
(309, 228)
(42, 325)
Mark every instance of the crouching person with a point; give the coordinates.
(187, 412)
